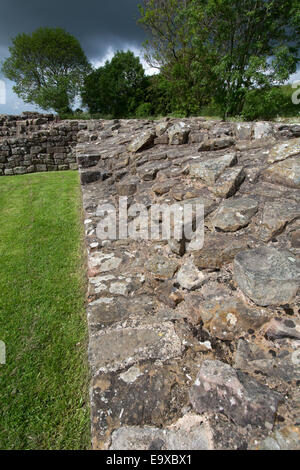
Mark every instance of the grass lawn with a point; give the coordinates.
(44, 384)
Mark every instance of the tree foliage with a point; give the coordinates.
(221, 49)
(47, 67)
(117, 88)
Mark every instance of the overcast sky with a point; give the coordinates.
(102, 27)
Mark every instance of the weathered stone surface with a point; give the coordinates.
(234, 214)
(119, 399)
(286, 173)
(283, 328)
(276, 215)
(104, 262)
(284, 438)
(88, 177)
(218, 249)
(163, 268)
(88, 160)
(251, 358)
(191, 432)
(220, 388)
(210, 170)
(228, 318)
(162, 187)
(229, 182)
(112, 350)
(243, 131)
(263, 130)
(149, 171)
(127, 187)
(284, 150)
(216, 144)
(189, 277)
(161, 128)
(178, 134)
(268, 276)
(142, 141)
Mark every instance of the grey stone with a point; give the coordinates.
(234, 214)
(279, 328)
(216, 144)
(178, 134)
(191, 432)
(263, 130)
(243, 131)
(88, 160)
(283, 438)
(221, 389)
(276, 215)
(267, 276)
(210, 170)
(127, 187)
(227, 318)
(284, 150)
(88, 177)
(251, 358)
(229, 182)
(161, 267)
(144, 140)
(218, 249)
(111, 350)
(286, 173)
(189, 277)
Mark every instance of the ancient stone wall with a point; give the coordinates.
(36, 143)
(194, 347)
(190, 347)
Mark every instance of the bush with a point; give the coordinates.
(270, 103)
(143, 110)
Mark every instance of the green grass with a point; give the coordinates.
(44, 384)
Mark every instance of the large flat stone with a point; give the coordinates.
(209, 170)
(221, 389)
(234, 214)
(178, 134)
(142, 141)
(218, 249)
(229, 182)
(286, 173)
(190, 433)
(267, 276)
(111, 350)
(284, 150)
(276, 215)
(227, 318)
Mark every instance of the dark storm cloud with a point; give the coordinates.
(98, 24)
(102, 27)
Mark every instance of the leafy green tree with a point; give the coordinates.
(170, 48)
(117, 88)
(48, 68)
(221, 49)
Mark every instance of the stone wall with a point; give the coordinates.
(194, 349)
(36, 143)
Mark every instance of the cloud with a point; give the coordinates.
(102, 28)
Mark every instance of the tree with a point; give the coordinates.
(48, 68)
(117, 88)
(223, 48)
(170, 48)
